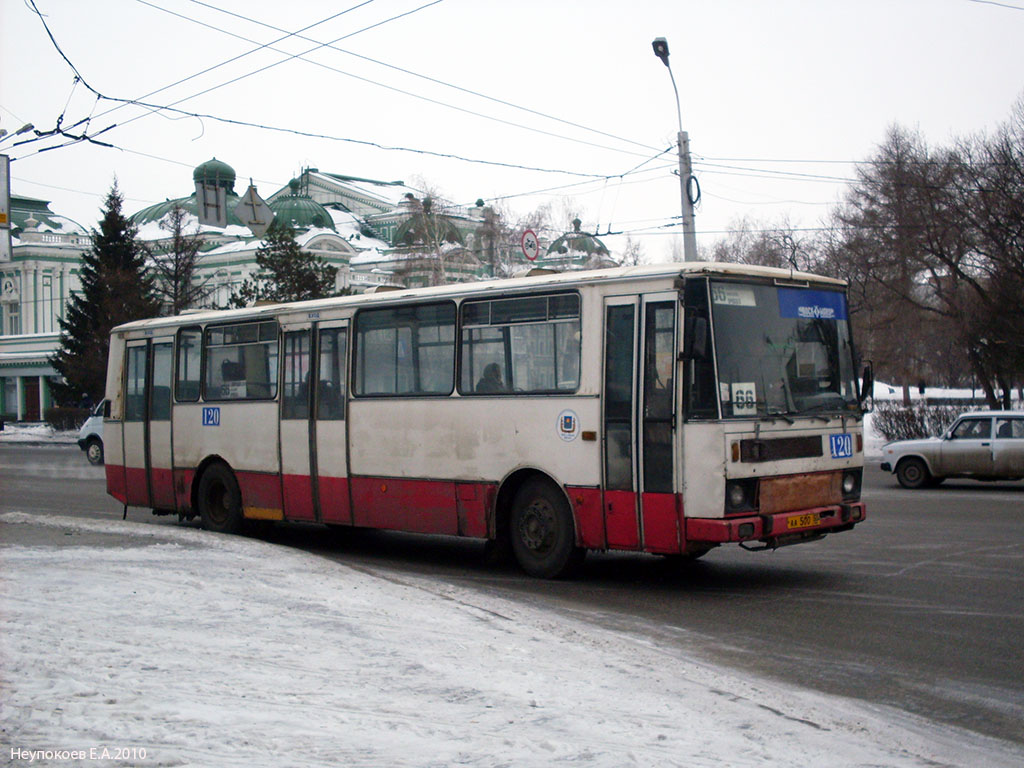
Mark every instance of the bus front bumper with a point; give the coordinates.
(776, 530)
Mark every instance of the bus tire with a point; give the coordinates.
(913, 473)
(542, 531)
(220, 501)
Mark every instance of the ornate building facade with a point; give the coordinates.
(374, 232)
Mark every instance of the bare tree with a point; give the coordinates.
(175, 264)
(632, 253)
(426, 236)
(768, 245)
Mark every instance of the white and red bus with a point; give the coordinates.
(665, 409)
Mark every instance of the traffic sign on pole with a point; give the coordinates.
(254, 212)
(530, 245)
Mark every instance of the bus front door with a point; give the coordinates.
(641, 507)
(314, 452)
(147, 424)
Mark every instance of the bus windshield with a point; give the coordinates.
(782, 351)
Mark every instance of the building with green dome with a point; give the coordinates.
(374, 232)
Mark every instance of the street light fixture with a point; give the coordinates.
(24, 129)
(660, 46)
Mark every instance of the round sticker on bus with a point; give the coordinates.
(568, 425)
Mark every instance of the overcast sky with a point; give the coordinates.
(564, 95)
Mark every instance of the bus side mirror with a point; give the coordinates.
(106, 409)
(695, 338)
(867, 383)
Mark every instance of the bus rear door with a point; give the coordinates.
(149, 458)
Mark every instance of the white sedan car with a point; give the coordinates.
(987, 445)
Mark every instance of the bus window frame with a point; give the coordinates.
(355, 350)
(549, 320)
(202, 362)
(276, 345)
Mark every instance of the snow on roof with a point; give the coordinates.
(152, 231)
(391, 192)
(306, 660)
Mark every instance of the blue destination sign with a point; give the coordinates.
(811, 305)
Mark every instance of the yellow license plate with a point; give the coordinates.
(804, 521)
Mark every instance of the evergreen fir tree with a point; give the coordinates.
(287, 273)
(115, 290)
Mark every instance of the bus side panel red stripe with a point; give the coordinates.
(475, 502)
(136, 487)
(260, 490)
(661, 522)
(587, 506)
(334, 506)
(621, 521)
(420, 506)
(163, 488)
(116, 485)
(298, 490)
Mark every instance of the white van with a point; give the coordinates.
(90, 436)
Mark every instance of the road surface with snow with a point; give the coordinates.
(200, 650)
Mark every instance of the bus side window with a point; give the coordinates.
(241, 361)
(699, 382)
(160, 397)
(135, 386)
(520, 345)
(330, 396)
(405, 350)
(186, 383)
(295, 398)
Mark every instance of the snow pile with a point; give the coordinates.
(220, 651)
(35, 433)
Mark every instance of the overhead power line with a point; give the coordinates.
(245, 123)
(430, 79)
(331, 45)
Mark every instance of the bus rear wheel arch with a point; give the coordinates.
(219, 499)
(542, 530)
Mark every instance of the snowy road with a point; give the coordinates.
(221, 651)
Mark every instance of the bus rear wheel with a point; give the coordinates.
(542, 532)
(220, 501)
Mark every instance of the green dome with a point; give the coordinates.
(159, 210)
(300, 211)
(580, 242)
(216, 172)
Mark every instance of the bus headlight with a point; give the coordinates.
(851, 484)
(740, 495)
(736, 495)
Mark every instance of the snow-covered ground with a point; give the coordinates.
(195, 649)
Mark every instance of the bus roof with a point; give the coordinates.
(482, 288)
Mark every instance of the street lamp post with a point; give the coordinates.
(660, 45)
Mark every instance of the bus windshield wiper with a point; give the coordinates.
(780, 415)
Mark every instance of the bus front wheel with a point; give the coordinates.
(542, 532)
(220, 501)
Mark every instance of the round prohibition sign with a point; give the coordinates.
(530, 245)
